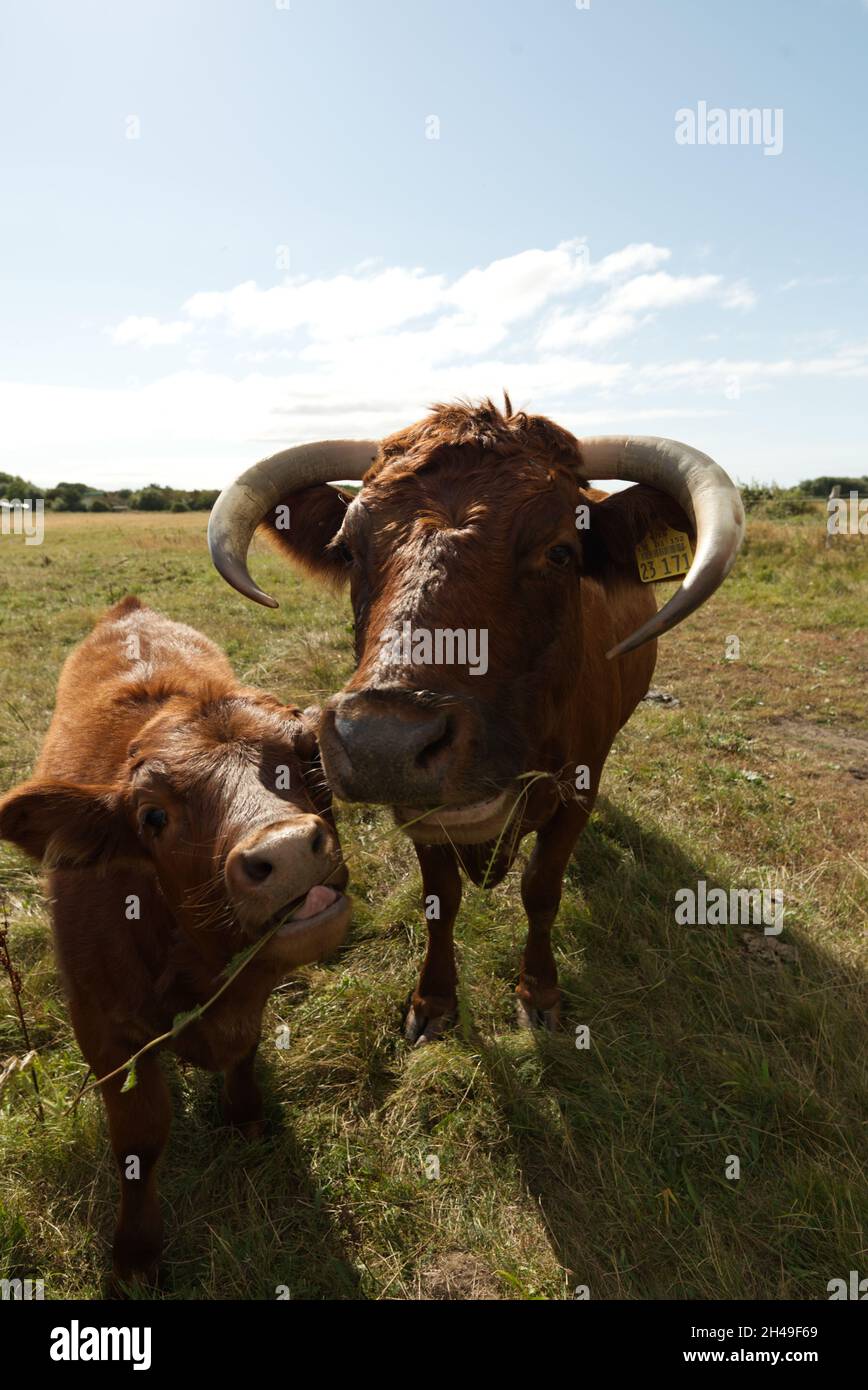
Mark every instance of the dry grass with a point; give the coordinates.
(558, 1166)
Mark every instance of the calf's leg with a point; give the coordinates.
(434, 1002)
(139, 1122)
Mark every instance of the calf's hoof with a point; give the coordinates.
(135, 1270)
(428, 1018)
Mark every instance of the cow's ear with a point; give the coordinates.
(618, 523)
(68, 826)
(303, 526)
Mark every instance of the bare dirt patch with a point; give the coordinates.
(823, 748)
(458, 1276)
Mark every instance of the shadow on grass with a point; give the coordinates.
(703, 1049)
(243, 1219)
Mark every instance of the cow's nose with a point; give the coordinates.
(411, 741)
(266, 870)
(393, 750)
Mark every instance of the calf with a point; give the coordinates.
(181, 817)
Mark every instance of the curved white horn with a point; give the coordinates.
(245, 503)
(705, 493)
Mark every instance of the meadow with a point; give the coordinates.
(559, 1167)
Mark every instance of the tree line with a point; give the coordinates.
(82, 497)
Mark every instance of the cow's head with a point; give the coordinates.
(224, 800)
(465, 552)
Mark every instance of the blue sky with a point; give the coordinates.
(285, 253)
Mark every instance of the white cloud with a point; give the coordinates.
(343, 306)
(361, 353)
(516, 287)
(661, 291)
(150, 332)
(632, 260)
(738, 296)
(623, 309)
(476, 310)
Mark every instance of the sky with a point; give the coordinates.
(228, 226)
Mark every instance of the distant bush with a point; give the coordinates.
(178, 506)
(13, 487)
(72, 494)
(151, 499)
(66, 497)
(767, 499)
(821, 487)
(98, 505)
(202, 499)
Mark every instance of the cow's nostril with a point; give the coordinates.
(318, 842)
(442, 736)
(256, 868)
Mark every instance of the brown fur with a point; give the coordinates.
(457, 525)
(150, 713)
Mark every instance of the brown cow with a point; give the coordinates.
(180, 815)
(476, 533)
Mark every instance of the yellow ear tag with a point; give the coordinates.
(663, 555)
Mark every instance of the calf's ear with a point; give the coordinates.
(618, 523)
(303, 525)
(68, 826)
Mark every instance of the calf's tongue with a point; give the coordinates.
(317, 900)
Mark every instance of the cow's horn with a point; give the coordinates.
(706, 494)
(245, 503)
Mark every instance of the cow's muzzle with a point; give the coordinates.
(405, 748)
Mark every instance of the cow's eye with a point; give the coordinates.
(342, 553)
(560, 556)
(155, 818)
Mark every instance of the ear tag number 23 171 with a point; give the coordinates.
(663, 555)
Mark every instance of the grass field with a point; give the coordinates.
(559, 1167)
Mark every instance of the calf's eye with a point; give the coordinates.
(560, 556)
(155, 818)
(343, 553)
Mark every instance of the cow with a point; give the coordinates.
(482, 521)
(183, 819)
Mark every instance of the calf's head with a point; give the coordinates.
(225, 801)
(465, 552)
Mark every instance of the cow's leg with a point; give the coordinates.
(139, 1121)
(434, 1003)
(541, 885)
(242, 1098)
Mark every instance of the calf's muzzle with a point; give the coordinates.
(279, 863)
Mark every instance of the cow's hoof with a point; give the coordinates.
(422, 1025)
(249, 1129)
(529, 1016)
(245, 1116)
(140, 1281)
